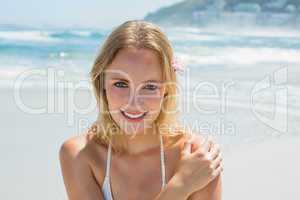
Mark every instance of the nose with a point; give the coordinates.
(135, 102)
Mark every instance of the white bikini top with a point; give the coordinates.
(106, 188)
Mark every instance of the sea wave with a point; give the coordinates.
(76, 34)
(272, 32)
(30, 36)
(235, 56)
(48, 36)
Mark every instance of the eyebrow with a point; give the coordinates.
(150, 80)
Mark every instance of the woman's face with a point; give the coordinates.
(134, 89)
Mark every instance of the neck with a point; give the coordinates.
(143, 144)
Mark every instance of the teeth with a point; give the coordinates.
(133, 116)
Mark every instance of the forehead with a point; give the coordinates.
(135, 64)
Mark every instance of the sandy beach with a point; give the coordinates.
(268, 170)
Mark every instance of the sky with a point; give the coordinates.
(76, 13)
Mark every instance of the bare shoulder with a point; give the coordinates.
(82, 149)
(77, 157)
(75, 148)
(178, 142)
(72, 146)
(196, 139)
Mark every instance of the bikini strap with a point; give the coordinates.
(108, 161)
(162, 161)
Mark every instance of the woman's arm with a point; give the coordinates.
(212, 191)
(173, 191)
(177, 190)
(77, 175)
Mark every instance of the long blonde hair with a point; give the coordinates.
(137, 34)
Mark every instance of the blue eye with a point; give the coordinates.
(151, 87)
(120, 84)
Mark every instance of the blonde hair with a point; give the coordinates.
(137, 34)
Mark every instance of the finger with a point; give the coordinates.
(187, 147)
(213, 144)
(207, 144)
(217, 162)
(204, 146)
(215, 151)
(218, 171)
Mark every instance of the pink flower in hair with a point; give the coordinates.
(177, 64)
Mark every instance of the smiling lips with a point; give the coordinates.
(133, 116)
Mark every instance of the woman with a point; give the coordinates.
(136, 148)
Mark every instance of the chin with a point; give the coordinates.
(135, 128)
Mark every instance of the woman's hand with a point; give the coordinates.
(197, 169)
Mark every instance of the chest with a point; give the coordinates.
(136, 186)
(135, 180)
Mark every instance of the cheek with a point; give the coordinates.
(153, 104)
(116, 96)
(154, 101)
